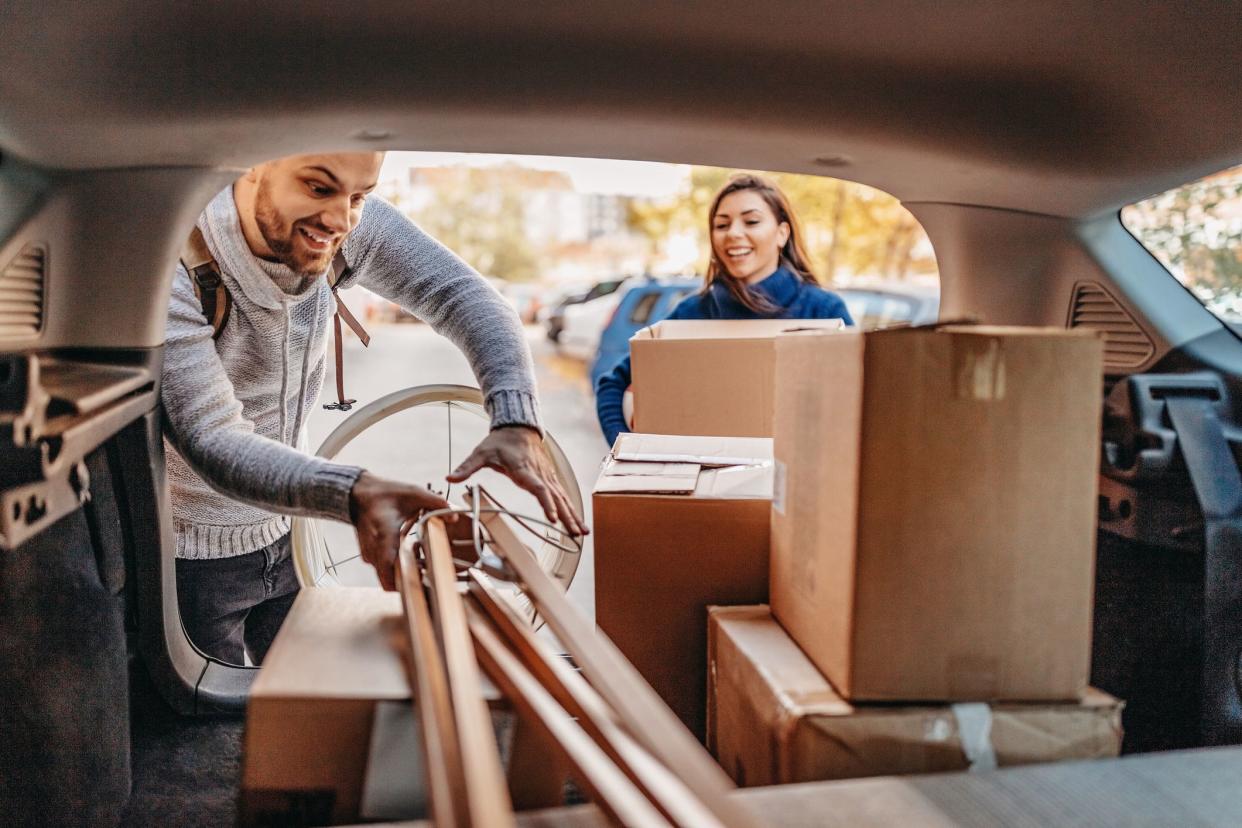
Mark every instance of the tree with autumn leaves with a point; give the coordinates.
(850, 229)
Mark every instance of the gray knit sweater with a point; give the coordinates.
(234, 407)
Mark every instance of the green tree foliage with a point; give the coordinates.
(849, 229)
(1196, 232)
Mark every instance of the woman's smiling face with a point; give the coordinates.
(746, 237)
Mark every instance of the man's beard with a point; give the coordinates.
(279, 237)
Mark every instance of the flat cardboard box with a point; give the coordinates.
(774, 719)
(933, 530)
(712, 377)
(661, 559)
(309, 718)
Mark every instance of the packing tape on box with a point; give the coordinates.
(974, 729)
(979, 368)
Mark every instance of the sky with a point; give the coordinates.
(589, 175)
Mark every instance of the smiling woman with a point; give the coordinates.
(758, 269)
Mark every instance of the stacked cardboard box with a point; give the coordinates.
(712, 377)
(932, 538)
(774, 719)
(330, 734)
(680, 523)
(312, 708)
(933, 530)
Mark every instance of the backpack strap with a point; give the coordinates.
(209, 286)
(217, 302)
(340, 272)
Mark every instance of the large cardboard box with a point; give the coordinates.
(673, 535)
(774, 719)
(312, 706)
(711, 377)
(934, 520)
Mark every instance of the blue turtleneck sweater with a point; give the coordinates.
(794, 298)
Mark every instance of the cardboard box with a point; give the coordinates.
(774, 719)
(309, 719)
(934, 521)
(712, 377)
(661, 559)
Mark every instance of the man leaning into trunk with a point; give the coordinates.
(236, 404)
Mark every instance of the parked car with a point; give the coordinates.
(583, 322)
(641, 303)
(554, 321)
(884, 304)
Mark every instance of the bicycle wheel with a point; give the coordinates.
(326, 553)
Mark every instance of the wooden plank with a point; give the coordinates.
(582, 702)
(442, 759)
(610, 788)
(641, 710)
(487, 795)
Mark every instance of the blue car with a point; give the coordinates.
(642, 304)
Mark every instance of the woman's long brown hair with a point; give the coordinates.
(792, 255)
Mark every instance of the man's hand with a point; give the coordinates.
(380, 509)
(518, 453)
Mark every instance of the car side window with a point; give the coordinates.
(643, 308)
(1196, 232)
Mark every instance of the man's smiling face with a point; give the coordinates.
(305, 205)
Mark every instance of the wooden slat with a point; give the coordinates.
(487, 794)
(609, 787)
(582, 702)
(445, 775)
(641, 710)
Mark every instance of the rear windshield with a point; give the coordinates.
(1196, 232)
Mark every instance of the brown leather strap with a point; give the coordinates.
(352, 321)
(340, 269)
(195, 253)
(208, 284)
(341, 403)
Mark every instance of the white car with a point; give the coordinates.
(583, 325)
(881, 304)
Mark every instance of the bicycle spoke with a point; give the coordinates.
(335, 564)
(449, 405)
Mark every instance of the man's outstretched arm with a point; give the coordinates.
(397, 260)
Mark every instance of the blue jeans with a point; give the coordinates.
(231, 606)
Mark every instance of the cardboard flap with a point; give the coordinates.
(627, 468)
(705, 451)
(732, 328)
(648, 483)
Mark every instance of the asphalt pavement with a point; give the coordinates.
(415, 448)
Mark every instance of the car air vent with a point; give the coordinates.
(21, 293)
(1125, 344)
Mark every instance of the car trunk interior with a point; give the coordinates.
(1016, 153)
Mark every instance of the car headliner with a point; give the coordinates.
(1069, 108)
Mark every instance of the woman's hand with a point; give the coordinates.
(517, 452)
(380, 509)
